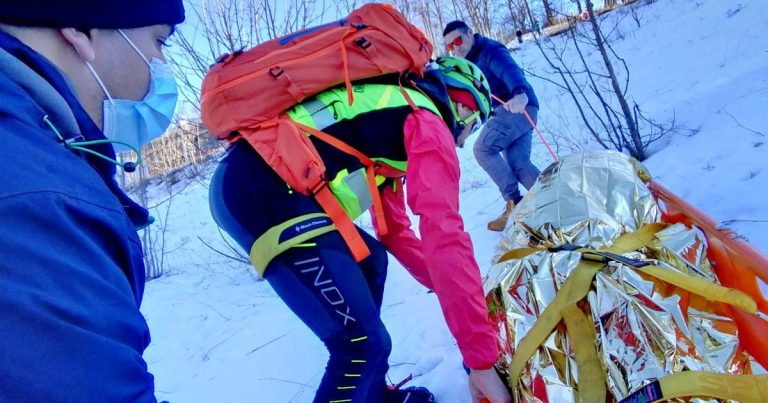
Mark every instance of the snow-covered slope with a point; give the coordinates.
(220, 335)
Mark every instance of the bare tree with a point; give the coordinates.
(597, 92)
(344, 7)
(548, 11)
(226, 26)
(479, 12)
(153, 235)
(578, 6)
(517, 12)
(635, 144)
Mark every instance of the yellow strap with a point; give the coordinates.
(741, 388)
(581, 332)
(627, 243)
(702, 287)
(573, 290)
(268, 245)
(637, 239)
(519, 254)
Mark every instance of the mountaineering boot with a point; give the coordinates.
(501, 222)
(412, 394)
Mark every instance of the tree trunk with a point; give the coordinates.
(638, 149)
(549, 12)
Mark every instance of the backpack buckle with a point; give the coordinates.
(318, 187)
(363, 43)
(276, 71)
(227, 57)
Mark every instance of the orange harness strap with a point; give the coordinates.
(344, 224)
(378, 209)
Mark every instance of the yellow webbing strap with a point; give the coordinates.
(581, 330)
(702, 287)
(519, 253)
(574, 289)
(740, 388)
(268, 245)
(591, 374)
(626, 243)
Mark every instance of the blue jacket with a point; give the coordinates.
(71, 269)
(504, 76)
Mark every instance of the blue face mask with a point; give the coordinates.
(139, 122)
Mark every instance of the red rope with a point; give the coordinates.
(533, 124)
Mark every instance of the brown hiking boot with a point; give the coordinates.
(500, 223)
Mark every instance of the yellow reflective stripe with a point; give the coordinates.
(359, 339)
(340, 401)
(740, 388)
(352, 375)
(345, 387)
(358, 361)
(268, 245)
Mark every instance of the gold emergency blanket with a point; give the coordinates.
(645, 329)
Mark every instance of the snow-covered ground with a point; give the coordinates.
(221, 335)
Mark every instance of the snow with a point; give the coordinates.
(220, 334)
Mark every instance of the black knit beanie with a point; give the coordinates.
(107, 14)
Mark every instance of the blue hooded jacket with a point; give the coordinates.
(71, 268)
(504, 76)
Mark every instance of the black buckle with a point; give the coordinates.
(226, 57)
(598, 256)
(565, 248)
(363, 43)
(221, 58)
(605, 257)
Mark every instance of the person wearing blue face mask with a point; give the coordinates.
(130, 123)
(77, 78)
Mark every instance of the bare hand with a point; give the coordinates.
(517, 104)
(485, 384)
(465, 134)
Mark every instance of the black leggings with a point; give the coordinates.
(340, 301)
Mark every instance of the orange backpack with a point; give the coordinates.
(246, 95)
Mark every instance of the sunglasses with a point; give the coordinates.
(456, 42)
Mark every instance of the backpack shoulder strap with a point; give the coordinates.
(369, 164)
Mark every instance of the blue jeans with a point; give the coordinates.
(503, 150)
(340, 301)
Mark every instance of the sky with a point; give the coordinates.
(220, 334)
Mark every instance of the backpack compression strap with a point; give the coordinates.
(369, 164)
